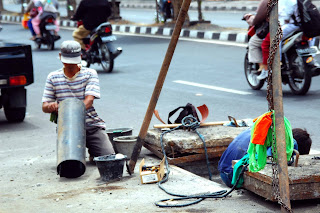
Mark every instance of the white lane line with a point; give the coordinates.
(212, 87)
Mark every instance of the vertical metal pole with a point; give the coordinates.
(279, 120)
(157, 89)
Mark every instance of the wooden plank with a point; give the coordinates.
(304, 180)
(184, 159)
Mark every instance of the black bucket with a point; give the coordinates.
(110, 166)
(112, 133)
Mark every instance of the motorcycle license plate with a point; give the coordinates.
(50, 27)
(308, 51)
(105, 39)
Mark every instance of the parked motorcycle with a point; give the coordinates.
(47, 28)
(164, 10)
(99, 47)
(298, 64)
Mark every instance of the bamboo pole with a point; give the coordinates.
(157, 89)
(279, 117)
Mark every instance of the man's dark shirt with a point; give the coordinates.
(92, 13)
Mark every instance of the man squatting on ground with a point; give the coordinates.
(74, 81)
(239, 146)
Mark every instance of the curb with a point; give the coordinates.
(159, 31)
(205, 8)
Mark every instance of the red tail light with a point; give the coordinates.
(50, 20)
(169, 1)
(17, 80)
(107, 30)
(305, 38)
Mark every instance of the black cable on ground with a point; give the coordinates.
(189, 122)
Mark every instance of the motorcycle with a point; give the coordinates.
(99, 47)
(47, 28)
(298, 64)
(164, 10)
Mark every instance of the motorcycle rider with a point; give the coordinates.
(287, 10)
(92, 13)
(255, 52)
(45, 8)
(33, 12)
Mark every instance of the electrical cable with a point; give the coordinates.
(192, 123)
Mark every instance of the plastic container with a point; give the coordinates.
(125, 144)
(112, 133)
(110, 166)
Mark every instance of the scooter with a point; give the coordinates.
(164, 10)
(47, 28)
(100, 48)
(298, 65)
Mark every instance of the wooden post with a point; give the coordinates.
(279, 120)
(161, 78)
(157, 11)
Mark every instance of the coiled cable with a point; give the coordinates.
(189, 122)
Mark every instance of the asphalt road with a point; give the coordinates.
(214, 71)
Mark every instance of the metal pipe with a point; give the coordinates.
(161, 78)
(279, 116)
(71, 139)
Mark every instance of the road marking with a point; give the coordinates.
(227, 43)
(212, 87)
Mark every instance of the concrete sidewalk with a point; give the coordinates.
(206, 5)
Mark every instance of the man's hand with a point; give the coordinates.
(249, 18)
(246, 16)
(88, 101)
(49, 107)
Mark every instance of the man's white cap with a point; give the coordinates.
(71, 52)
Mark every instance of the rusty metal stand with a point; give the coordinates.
(160, 81)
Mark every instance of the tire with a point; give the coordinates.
(15, 114)
(300, 77)
(107, 60)
(251, 74)
(50, 41)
